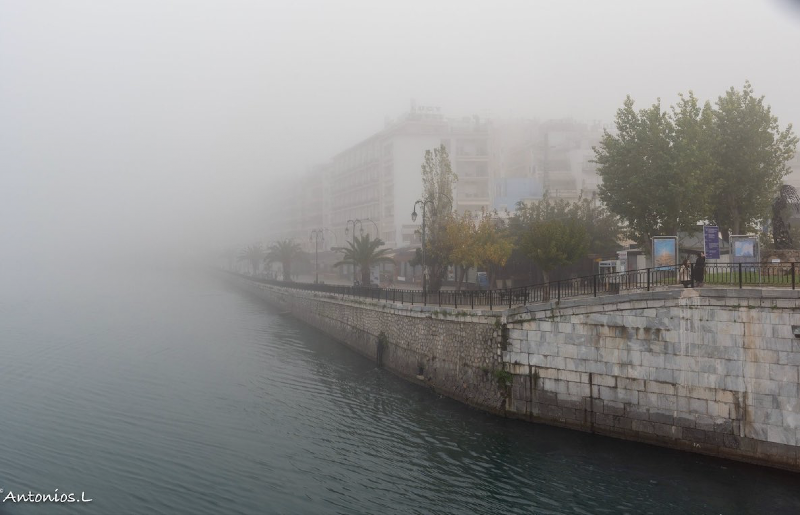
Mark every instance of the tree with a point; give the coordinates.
(645, 180)
(553, 243)
(492, 244)
(285, 252)
(692, 143)
(254, 254)
(751, 154)
(602, 227)
(664, 172)
(364, 253)
(459, 232)
(438, 180)
(783, 206)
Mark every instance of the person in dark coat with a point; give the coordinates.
(700, 269)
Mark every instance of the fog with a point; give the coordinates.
(155, 129)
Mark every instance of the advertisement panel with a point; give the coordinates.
(744, 249)
(711, 241)
(665, 251)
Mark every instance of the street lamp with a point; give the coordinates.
(423, 203)
(316, 235)
(377, 232)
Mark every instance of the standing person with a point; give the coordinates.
(685, 273)
(700, 269)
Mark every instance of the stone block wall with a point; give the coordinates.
(708, 370)
(455, 352)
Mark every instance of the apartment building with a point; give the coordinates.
(530, 158)
(378, 180)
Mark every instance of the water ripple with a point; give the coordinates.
(173, 397)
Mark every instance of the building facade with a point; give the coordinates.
(378, 180)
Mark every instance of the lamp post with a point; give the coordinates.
(377, 232)
(346, 230)
(423, 203)
(316, 235)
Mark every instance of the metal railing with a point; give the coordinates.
(736, 275)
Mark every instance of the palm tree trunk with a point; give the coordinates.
(365, 275)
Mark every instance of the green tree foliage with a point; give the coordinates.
(492, 244)
(665, 171)
(602, 228)
(459, 230)
(553, 243)
(438, 180)
(647, 168)
(750, 152)
(253, 254)
(285, 252)
(364, 252)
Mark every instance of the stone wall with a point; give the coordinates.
(455, 352)
(708, 370)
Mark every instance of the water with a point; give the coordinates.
(168, 394)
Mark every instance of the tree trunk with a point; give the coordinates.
(287, 271)
(736, 224)
(365, 275)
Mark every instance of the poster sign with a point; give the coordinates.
(711, 241)
(744, 249)
(665, 252)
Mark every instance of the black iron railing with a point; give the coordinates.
(736, 275)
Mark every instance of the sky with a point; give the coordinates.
(157, 127)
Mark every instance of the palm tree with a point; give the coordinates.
(364, 252)
(254, 254)
(284, 252)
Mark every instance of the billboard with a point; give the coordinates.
(711, 241)
(665, 251)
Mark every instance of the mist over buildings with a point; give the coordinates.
(152, 129)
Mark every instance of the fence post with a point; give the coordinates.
(691, 274)
(412, 297)
(594, 285)
(740, 275)
(558, 287)
(455, 300)
(440, 298)
(793, 275)
(471, 300)
(648, 279)
(489, 292)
